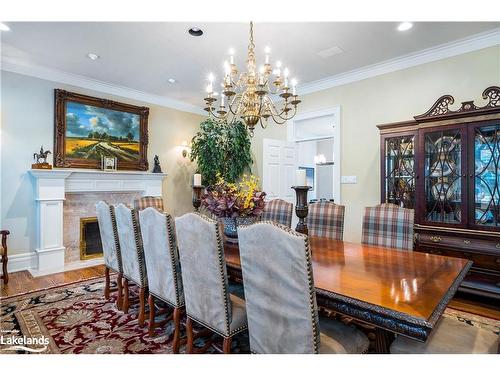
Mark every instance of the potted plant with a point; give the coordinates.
(221, 149)
(235, 203)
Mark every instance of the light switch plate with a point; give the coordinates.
(348, 179)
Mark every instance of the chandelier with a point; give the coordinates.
(249, 95)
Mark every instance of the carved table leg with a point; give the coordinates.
(383, 340)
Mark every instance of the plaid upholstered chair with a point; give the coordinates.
(281, 298)
(279, 211)
(110, 248)
(132, 254)
(326, 219)
(162, 262)
(388, 225)
(149, 201)
(204, 278)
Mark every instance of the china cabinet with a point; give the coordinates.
(445, 164)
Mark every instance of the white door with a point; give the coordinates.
(279, 164)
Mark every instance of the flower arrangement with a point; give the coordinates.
(233, 200)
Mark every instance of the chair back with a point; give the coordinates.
(161, 256)
(279, 211)
(279, 289)
(149, 201)
(109, 236)
(129, 236)
(388, 225)
(204, 271)
(326, 219)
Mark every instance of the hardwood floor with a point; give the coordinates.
(23, 282)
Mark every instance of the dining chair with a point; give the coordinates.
(204, 278)
(281, 298)
(388, 225)
(110, 248)
(326, 219)
(3, 254)
(450, 336)
(162, 263)
(279, 211)
(132, 254)
(149, 201)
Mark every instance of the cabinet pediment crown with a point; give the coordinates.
(441, 108)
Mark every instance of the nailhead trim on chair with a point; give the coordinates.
(310, 279)
(115, 236)
(173, 248)
(222, 270)
(139, 249)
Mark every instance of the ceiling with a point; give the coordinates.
(144, 55)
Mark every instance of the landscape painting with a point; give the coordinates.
(89, 128)
(92, 132)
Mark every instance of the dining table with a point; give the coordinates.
(393, 291)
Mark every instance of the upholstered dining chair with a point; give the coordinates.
(162, 262)
(3, 254)
(132, 254)
(281, 298)
(388, 225)
(204, 278)
(279, 211)
(149, 201)
(326, 219)
(450, 336)
(110, 248)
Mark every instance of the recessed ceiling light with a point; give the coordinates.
(171, 80)
(403, 26)
(195, 31)
(4, 27)
(92, 56)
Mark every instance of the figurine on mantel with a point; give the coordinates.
(42, 155)
(157, 167)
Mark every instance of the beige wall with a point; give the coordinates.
(396, 96)
(27, 121)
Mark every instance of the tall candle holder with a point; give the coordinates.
(197, 189)
(301, 209)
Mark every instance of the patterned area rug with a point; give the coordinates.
(76, 318)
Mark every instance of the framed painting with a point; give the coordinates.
(88, 129)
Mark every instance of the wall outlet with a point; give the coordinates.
(348, 179)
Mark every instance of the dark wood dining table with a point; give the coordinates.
(394, 291)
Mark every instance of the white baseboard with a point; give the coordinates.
(21, 262)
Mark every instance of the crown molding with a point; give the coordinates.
(473, 43)
(38, 71)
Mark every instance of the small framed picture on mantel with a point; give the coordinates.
(90, 130)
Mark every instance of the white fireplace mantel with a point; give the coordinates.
(51, 187)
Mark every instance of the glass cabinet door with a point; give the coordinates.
(486, 174)
(400, 171)
(443, 200)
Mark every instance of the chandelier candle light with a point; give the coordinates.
(248, 95)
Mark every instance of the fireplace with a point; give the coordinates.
(90, 238)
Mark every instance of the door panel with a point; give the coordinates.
(279, 164)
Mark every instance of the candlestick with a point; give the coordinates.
(197, 196)
(301, 209)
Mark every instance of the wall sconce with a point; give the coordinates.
(185, 149)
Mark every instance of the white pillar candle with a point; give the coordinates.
(300, 177)
(197, 179)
